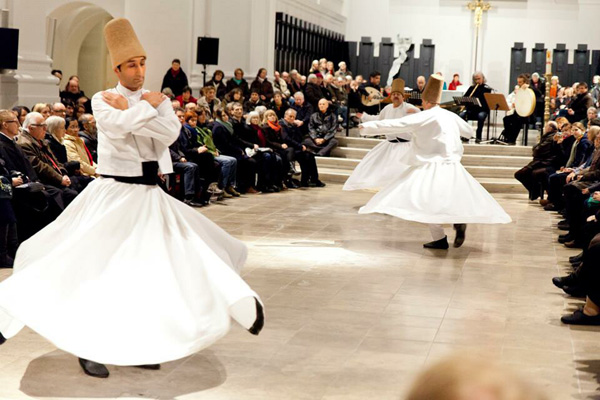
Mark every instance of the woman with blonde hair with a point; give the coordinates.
(43, 109)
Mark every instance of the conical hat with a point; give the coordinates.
(122, 42)
(398, 85)
(433, 90)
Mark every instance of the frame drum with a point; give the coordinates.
(525, 102)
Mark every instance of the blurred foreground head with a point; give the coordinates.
(471, 378)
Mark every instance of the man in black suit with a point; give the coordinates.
(34, 209)
(474, 112)
(303, 112)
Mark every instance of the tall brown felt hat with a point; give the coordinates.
(433, 90)
(122, 42)
(398, 85)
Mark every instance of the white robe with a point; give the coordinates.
(384, 162)
(436, 188)
(127, 274)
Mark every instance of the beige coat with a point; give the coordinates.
(76, 152)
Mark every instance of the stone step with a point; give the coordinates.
(467, 160)
(348, 164)
(484, 149)
(492, 185)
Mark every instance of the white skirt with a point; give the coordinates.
(379, 167)
(438, 193)
(127, 275)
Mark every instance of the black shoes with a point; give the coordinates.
(576, 259)
(98, 370)
(94, 369)
(2, 339)
(460, 234)
(260, 319)
(574, 291)
(563, 225)
(193, 203)
(562, 281)
(291, 184)
(319, 184)
(441, 244)
(579, 318)
(154, 367)
(565, 238)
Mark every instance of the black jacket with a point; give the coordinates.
(291, 135)
(281, 110)
(15, 159)
(265, 88)
(322, 125)
(226, 142)
(580, 105)
(274, 138)
(91, 143)
(312, 94)
(231, 84)
(59, 150)
(303, 114)
(219, 87)
(176, 84)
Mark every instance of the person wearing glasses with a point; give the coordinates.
(45, 164)
(34, 209)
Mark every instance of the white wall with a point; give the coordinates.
(167, 30)
(450, 25)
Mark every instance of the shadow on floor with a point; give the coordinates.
(58, 375)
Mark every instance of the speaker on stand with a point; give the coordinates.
(207, 53)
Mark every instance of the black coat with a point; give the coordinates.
(231, 84)
(219, 87)
(176, 84)
(226, 142)
(15, 159)
(322, 125)
(274, 138)
(312, 94)
(265, 88)
(580, 105)
(303, 114)
(291, 135)
(59, 150)
(281, 110)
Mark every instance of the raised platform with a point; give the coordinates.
(492, 165)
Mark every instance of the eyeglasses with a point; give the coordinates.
(39, 125)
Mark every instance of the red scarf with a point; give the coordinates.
(275, 126)
(261, 136)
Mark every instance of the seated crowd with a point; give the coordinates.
(566, 168)
(235, 138)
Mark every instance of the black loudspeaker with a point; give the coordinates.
(208, 51)
(10, 48)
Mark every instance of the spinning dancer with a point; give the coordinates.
(156, 280)
(383, 163)
(436, 189)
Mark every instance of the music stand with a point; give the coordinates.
(496, 102)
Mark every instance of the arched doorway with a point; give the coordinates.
(76, 45)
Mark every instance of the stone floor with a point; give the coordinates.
(355, 308)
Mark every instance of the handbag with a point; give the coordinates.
(6, 189)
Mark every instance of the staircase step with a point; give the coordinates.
(484, 149)
(492, 185)
(478, 171)
(494, 161)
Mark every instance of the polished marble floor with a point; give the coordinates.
(355, 308)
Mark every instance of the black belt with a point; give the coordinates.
(149, 175)
(398, 140)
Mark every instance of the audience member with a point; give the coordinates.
(280, 85)
(322, 129)
(229, 145)
(343, 71)
(304, 111)
(89, 134)
(279, 105)
(218, 84)
(577, 109)
(175, 79)
(253, 102)
(72, 91)
(238, 82)
(186, 97)
(292, 137)
(9, 241)
(43, 109)
(312, 91)
(77, 149)
(209, 101)
(455, 82)
(262, 85)
(21, 113)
